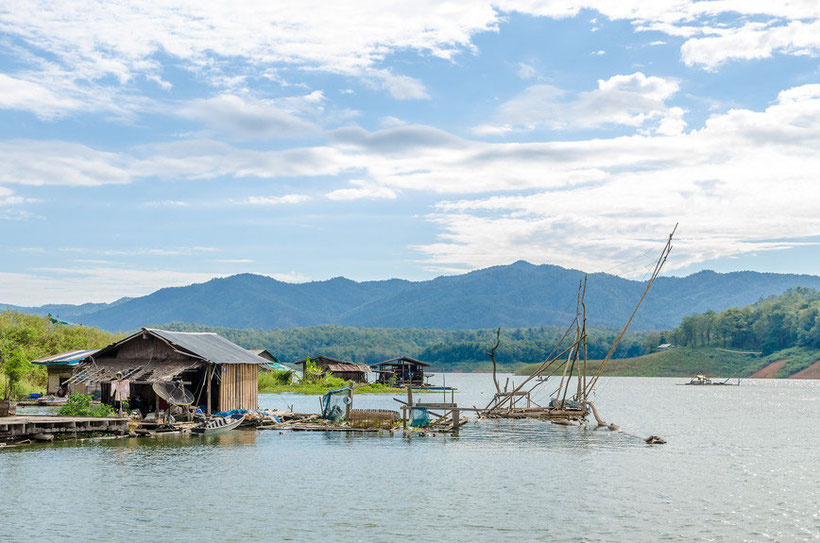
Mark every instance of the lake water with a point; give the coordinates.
(741, 464)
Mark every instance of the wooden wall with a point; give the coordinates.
(238, 387)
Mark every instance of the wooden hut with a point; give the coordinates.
(264, 353)
(401, 371)
(221, 375)
(338, 368)
(60, 367)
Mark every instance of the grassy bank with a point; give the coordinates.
(282, 381)
(688, 361)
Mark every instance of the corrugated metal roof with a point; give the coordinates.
(71, 358)
(399, 360)
(209, 346)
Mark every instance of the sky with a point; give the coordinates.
(148, 144)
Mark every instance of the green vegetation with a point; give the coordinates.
(797, 359)
(25, 337)
(282, 381)
(80, 405)
(446, 350)
(680, 362)
(710, 361)
(772, 324)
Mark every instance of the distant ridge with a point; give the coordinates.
(515, 295)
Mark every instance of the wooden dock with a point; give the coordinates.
(24, 426)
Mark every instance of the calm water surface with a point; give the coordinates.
(741, 464)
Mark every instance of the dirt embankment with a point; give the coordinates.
(812, 372)
(769, 371)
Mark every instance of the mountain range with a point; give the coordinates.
(515, 295)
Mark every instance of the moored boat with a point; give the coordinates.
(217, 425)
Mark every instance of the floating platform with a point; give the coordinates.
(417, 388)
(18, 427)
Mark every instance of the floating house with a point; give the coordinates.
(338, 368)
(60, 367)
(221, 375)
(401, 371)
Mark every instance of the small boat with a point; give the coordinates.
(217, 425)
(703, 380)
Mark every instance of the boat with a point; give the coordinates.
(702, 380)
(218, 425)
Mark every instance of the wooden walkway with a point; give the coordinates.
(22, 426)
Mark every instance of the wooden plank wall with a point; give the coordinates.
(239, 387)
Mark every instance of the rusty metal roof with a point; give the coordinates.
(348, 367)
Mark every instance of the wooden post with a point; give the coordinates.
(456, 418)
(349, 406)
(209, 375)
(410, 395)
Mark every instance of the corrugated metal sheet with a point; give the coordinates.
(209, 346)
(71, 358)
(151, 372)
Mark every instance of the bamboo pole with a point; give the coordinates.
(658, 266)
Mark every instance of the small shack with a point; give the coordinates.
(401, 371)
(338, 368)
(664, 347)
(221, 375)
(60, 367)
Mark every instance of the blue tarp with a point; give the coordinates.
(419, 417)
(240, 412)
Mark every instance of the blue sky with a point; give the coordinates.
(145, 146)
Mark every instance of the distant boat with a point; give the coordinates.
(702, 380)
(218, 425)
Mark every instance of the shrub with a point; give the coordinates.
(80, 405)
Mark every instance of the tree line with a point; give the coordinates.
(774, 323)
(454, 349)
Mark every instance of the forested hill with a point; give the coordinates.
(516, 295)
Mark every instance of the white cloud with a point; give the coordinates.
(526, 71)
(362, 190)
(86, 283)
(290, 277)
(8, 198)
(730, 184)
(27, 96)
(167, 203)
(625, 100)
(752, 41)
(29, 162)
(124, 42)
(251, 118)
(275, 200)
(402, 87)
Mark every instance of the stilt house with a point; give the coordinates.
(338, 368)
(401, 371)
(221, 375)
